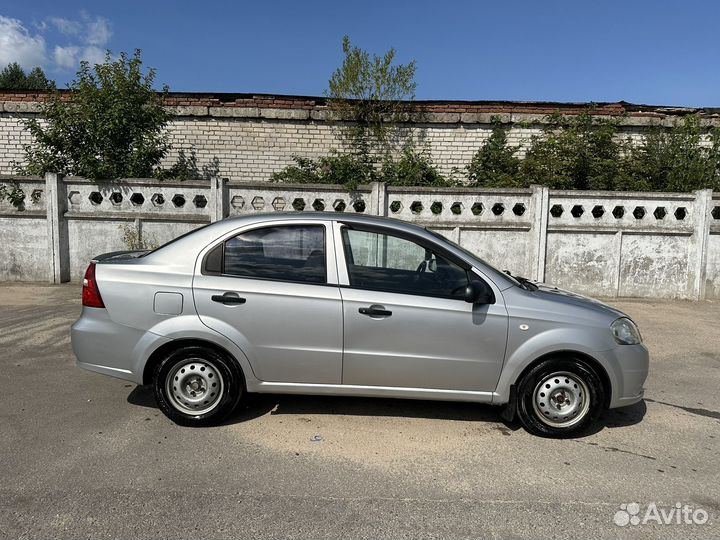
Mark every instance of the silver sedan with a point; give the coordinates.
(353, 305)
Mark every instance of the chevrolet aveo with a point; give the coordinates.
(350, 305)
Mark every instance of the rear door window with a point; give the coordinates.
(285, 253)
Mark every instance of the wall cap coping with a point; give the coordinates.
(610, 230)
(149, 182)
(298, 107)
(281, 186)
(20, 179)
(457, 190)
(144, 216)
(33, 214)
(594, 194)
(475, 226)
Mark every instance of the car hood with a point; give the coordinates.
(560, 296)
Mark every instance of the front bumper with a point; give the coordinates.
(628, 367)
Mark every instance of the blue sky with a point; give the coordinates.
(655, 52)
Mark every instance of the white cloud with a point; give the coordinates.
(94, 55)
(69, 57)
(66, 57)
(90, 30)
(65, 26)
(18, 45)
(86, 39)
(99, 31)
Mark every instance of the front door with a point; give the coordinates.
(269, 293)
(406, 323)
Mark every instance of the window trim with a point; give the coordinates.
(204, 271)
(422, 242)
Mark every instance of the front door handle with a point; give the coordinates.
(375, 311)
(229, 299)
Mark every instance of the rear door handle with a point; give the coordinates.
(229, 299)
(375, 311)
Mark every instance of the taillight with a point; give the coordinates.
(91, 294)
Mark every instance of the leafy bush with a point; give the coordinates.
(412, 168)
(113, 126)
(495, 164)
(135, 239)
(14, 194)
(349, 170)
(580, 152)
(186, 168)
(677, 160)
(584, 152)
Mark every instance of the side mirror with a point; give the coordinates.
(478, 293)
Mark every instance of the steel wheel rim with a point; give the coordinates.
(561, 400)
(194, 387)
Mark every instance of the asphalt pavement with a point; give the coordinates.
(87, 456)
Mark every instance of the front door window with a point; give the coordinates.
(382, 262)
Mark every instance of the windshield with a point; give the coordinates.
(457, 246)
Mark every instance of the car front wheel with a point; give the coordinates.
(559, 398)
(196, 386)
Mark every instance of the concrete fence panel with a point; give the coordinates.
(664, 245)
(24, 238)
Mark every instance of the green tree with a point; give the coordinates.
(13, 77)
(368, 94)
(112, 127)
(367, 97)
(495, 163)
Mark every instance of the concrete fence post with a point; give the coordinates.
(540, 207)
(219, 199)
(57, 231)
(702, 208)
(378, 199)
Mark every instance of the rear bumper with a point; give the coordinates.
(104, 346)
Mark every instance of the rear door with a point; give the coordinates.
(272, 289)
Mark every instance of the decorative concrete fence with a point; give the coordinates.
(663, 245)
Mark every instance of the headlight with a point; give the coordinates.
(625, 332)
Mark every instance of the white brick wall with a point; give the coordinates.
(13, 136)
(254, 146)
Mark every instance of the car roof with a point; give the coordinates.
(334, 216)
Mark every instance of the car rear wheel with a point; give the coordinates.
(197, 386)
(559, 398)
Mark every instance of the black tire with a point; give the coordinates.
(575, 398)
(214, 380)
